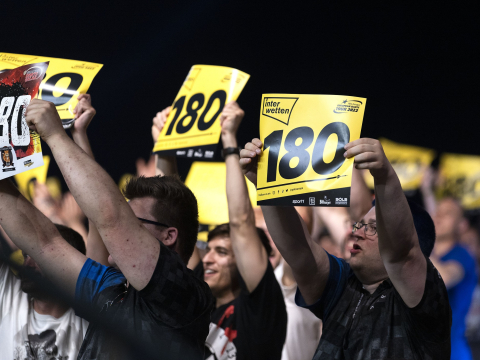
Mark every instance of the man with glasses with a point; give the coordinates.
(154, 304)
(389, 302)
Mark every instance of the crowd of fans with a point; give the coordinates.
(130, 280)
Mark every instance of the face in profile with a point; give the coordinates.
(220, 267)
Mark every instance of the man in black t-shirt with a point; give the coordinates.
(155, 304)
(389, 302)
(250, 319)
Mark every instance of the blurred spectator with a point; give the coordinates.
(33, 323)
(457, 268)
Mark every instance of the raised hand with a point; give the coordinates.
(84, 112)
(249, 159)
(42, 117)
(231, 118)
(368, 154)
(159, 122)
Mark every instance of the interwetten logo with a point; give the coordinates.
(279, 108)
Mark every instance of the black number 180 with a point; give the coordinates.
(274, 142)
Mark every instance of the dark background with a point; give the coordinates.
(414, 64)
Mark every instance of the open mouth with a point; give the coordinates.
(209, 272)
(355, 249)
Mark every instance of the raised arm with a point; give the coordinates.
(397, 238)
(165, 165)
(84, 113)
(37, 236)
(250, 254)
(133, 248)
(309, 262)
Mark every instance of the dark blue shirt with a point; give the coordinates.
(170, 317)
(358, 325)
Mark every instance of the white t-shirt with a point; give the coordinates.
(25, 334)
(303, 328)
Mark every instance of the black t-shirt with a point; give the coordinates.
(251, 327)
(359, 325)
(170, 316)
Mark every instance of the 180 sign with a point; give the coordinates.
(195, 103)
(273, 142)
(20, 134)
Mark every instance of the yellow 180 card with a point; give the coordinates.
(193, 128)
(303, 145)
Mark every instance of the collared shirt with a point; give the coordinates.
(359, 325)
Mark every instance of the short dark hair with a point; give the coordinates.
(72, 237)
(423, 225)
(223, 230)
(175, 205)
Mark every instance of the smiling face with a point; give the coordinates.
(220, 267)
(365, 259)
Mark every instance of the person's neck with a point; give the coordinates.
(443, 244)
(287, 277)
(373, 286)
(227, 297)
(49, 307)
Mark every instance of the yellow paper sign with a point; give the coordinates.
(208, 182)
(303, 142)
(461, 179)
(25, 179)
(409, 162)
(64, 80)
(193, 127)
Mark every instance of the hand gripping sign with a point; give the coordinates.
(409, 162)
(193, 128)
(20, 149)
(461, 179)
(303, 138)
(65, 80)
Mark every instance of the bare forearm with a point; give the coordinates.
(396, 231)
(93, 189)
(81, 139)
(26, 226)
(96, 249)
(360, 198)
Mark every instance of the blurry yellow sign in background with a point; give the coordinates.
(25, 179)
(64, 80)
(408, 161)
(461, 179)
(193, 128)
(303, 145)
(207, 180)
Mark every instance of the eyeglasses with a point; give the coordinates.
(370, 229)
(152, 222)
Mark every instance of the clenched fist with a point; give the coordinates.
(42, 117)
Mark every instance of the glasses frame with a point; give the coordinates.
(152, 222)
(363, 225)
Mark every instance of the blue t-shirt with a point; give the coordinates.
(460, 297)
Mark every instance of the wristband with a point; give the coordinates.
(230, 151)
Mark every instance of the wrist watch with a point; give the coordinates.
(229, 151)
